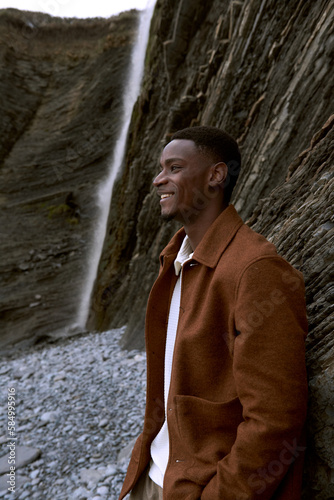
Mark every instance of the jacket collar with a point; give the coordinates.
(213, 243)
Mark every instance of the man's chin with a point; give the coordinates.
(167, 217)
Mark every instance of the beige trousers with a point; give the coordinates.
(146, 489)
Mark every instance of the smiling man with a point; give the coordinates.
(225, 331)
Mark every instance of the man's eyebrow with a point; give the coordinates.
(172, 160)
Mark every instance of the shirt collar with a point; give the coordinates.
(214, 242)
(185, 253)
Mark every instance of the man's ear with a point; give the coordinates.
(218, 174)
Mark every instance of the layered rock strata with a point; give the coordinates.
(258, 69)
(61, 86)
(263, 72)
(298, 218)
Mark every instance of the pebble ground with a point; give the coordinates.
(80, 401)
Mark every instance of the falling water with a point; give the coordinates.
(105, 188)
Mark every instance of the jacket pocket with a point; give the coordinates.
(207, 431)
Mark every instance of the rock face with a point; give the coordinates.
(298, 218)
(263, 72)
(61, 83)
(260, 69)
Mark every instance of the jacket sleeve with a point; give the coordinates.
(270, 375)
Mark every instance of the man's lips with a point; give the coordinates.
(165, 196)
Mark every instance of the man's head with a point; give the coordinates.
(218, 144)
(200, 167)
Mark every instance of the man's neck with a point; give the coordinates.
(197, 229)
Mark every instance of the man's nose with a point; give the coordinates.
(160, 179)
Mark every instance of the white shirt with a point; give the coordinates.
(160, 445)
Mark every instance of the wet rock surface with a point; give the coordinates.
(263, 72)
(61, 86)
(298, 218)
(260, 70)
(80, 402)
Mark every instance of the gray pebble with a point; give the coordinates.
(103, 490)
(80, 401)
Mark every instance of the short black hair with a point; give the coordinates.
(218, 144)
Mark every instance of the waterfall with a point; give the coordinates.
(105, 189)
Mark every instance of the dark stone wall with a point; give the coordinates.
(258, 69)
(61, 85)
(262, 71)
(298, 218)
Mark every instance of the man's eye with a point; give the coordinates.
(174, 167)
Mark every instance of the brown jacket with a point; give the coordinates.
(238, 394)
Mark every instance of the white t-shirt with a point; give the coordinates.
(160, 445)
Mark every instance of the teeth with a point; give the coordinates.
(163, 196)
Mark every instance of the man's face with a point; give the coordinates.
(183, 181)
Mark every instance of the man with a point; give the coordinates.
(225, 330)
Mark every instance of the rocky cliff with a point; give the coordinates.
(258, 68)
(61, 84)
(298, 218)
(262, 71)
